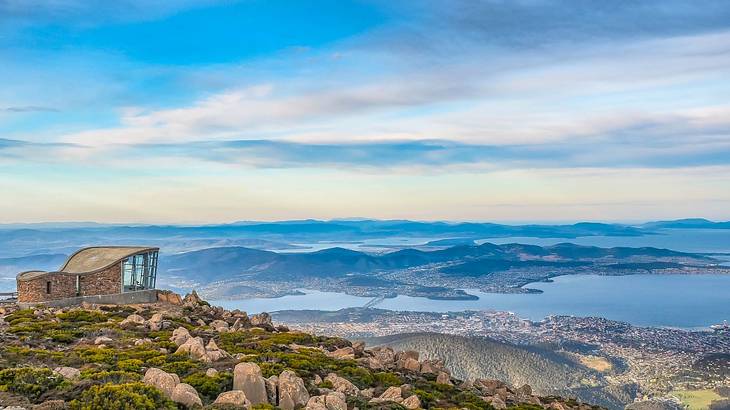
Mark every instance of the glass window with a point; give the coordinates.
(139, 272)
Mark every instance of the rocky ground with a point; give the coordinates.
(186, 354)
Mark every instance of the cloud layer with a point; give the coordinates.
(460, 88)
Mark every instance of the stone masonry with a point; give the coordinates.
(63, 285)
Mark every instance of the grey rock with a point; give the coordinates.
(292, 392)
(69, 373)
(180, 336)
(412, 402)
(186, 395)
(163, 381)
(247, 377)
(234, 398)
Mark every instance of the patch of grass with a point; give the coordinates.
(697, 399)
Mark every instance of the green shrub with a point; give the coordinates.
(129, 396)
(180, 364)
(29, 381)
(388, 379)
(26, 326)
(64, 336)
(130, 365)
(20, 314)
(359, 376)
(210, 387)
(87, 316)
(98, 355)
(116, 377)
(326, 384)
(263, 406)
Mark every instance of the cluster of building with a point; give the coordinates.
(659, 360)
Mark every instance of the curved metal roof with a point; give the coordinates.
(92, 259)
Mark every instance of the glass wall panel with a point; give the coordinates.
(139, 272)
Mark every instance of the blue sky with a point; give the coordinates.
(210, 111)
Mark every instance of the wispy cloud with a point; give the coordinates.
(28, 108)
(522, 96)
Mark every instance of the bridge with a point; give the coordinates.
(374, 301)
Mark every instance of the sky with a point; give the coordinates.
(203, 111)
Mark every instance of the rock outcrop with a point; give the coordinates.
(235, 398)
(342, 385)
(292, 392)
(186, 395)
(247, 377)
(69, 373)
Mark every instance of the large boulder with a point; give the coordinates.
(344, 353)
(272, 389)
(235, 398)
(214, 352)
(342, 385)
(180, 336)
(359, 348)
(407, 354)
(411, 402)
(103, 340)
(292, 392)
(316, 403)
(336, 401)
(525, 390)
(241, 322)
(498, 403)
(192, 299)
(443, 378)
(68, 372)
(186, 395)
(195, 348)
(331, 401)
(385, 355)
(163, 381)
(262, 320)
(167, 296)
(219, 326)
(392, 393)
(431, 367)
(409, 364)
(155, 322)
(248, 378)
(372, 362)
(133, 320)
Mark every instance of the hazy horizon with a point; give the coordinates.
(340, 219)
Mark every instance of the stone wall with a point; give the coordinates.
(63, 285)
(106, 282)
(35, 290)
(126, 298)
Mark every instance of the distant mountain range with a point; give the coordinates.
(220, 263)
(691, 223)
(25, 239)
(235, 272)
